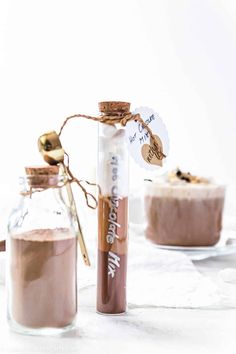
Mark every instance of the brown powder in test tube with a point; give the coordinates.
(112, 258)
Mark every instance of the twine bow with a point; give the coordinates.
(51, 148)
(123, 119)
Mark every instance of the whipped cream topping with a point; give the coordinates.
(178, 175)
(177, 184)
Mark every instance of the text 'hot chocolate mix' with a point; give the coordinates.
(146, 140)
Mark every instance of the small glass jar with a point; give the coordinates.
(42, 257)
(113, 179)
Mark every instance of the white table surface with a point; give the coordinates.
(141, 330)
(144, 329)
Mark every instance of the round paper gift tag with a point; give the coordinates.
(140, 146)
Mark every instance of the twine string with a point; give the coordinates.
(33, 190)
(112, 118)
(72, 179)
(123, 119)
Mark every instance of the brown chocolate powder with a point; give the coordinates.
(43, 278)
(112, 257)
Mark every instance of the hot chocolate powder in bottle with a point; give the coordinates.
(42, 287)
(112, 212)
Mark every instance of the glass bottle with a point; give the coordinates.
(112, 212)
(42, 261)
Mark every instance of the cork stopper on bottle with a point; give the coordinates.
(110, 107)
(42, 176)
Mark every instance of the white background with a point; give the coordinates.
(176, 56)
